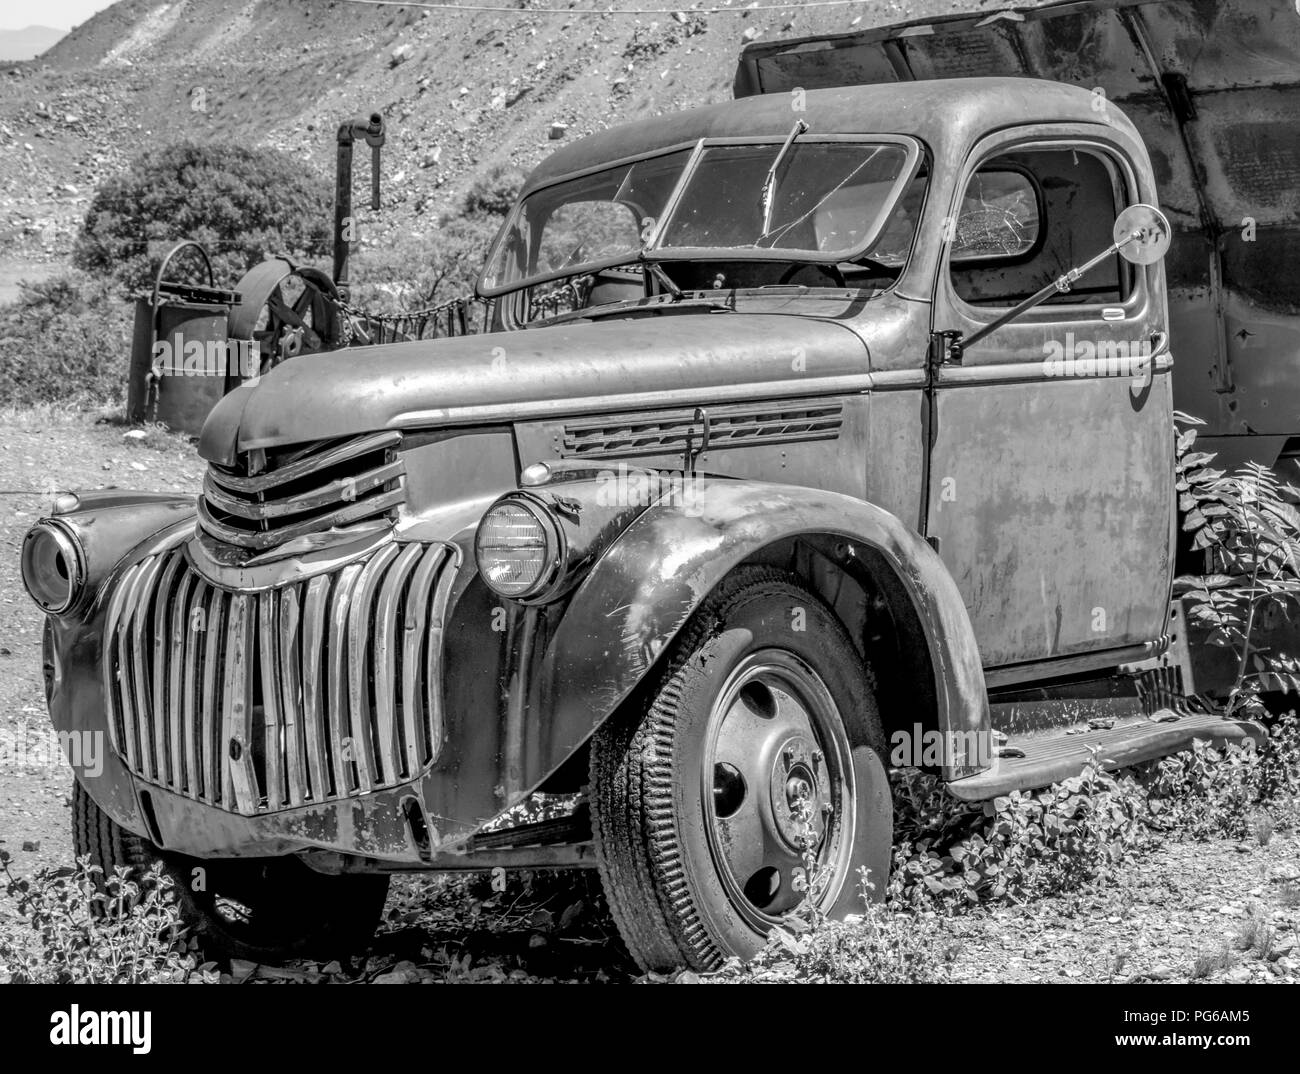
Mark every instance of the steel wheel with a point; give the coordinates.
(778, 784)
(754, 741)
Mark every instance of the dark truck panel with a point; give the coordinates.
(1214, 90)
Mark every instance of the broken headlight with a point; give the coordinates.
(54, 566)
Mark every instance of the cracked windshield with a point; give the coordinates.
(807, 198)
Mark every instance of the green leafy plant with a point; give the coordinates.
(1249, 532)
(76, 925)
(241, 203)
(1208, 792)
(65, 342)
(1072, 834)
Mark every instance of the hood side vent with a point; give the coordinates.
(670, 431)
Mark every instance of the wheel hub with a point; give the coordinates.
(799, 790)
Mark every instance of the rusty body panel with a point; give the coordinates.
(1214, 91)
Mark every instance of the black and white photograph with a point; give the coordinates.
(571, 492)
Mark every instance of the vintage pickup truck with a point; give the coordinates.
(810, 425)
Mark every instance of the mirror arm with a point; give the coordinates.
(1060, 285)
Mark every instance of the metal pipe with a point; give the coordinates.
(371, 128)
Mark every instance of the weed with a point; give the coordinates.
(75, 925)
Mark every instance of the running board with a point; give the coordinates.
(1051, 758)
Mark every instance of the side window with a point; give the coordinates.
(1029, 216)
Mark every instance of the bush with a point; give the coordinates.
(1207, 793)
(240, 203)
(879, 947)
(65, 341)
(494, 194)
(1074, 833)
(76, 926)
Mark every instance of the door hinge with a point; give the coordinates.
(945, 349)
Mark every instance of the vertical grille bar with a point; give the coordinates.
(385, 662)
(433, 668)
(359, 657)
(195, 621)
(210, 749)
(272, 727)
(340, 731)
(237, 709)
(161, 653)
(121, 728)
(178, 641)
(417, 615)
(290, 663)
(140, 676)
(314, 626)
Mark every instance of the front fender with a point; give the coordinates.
(650, 581)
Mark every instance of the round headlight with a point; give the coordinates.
(518, 547)
(53, 567)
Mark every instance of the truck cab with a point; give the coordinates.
(809, 424)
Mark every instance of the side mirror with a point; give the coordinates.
(1142, 236)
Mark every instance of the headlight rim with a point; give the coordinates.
(550, 580)
(75, 556)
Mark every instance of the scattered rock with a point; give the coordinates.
(1281, 949)
(31, 846)
(558, 131)
(403, 973)
(400, 55)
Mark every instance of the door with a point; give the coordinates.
(1051, 483)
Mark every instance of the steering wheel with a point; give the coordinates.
(829, 270)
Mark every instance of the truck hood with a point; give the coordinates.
(503, 377)
(1213, 86)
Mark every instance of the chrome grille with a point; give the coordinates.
(271, 499)
(671, 431)
(254, 702)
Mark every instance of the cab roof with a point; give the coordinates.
(938, 113)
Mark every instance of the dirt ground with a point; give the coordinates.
(46, 450)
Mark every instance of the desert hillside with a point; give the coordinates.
(461, 91)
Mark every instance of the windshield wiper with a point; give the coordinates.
(767, 195)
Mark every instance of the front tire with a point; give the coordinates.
(258, 909)
(759, 739)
